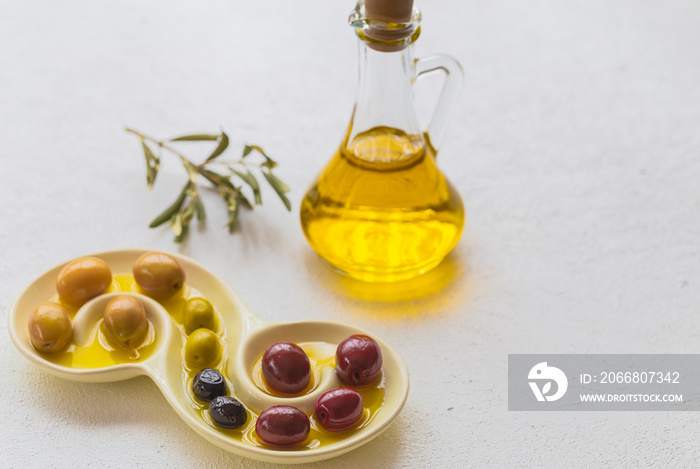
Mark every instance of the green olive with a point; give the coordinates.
(159, 275)
(199, 313)
(125, 319)
(82, 280)
(50, 328)
(202, 349)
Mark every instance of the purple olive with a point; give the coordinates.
(227, 412)
(209, 384)
(339, 409)
(282, 425)
(358, 360)
(286, 368)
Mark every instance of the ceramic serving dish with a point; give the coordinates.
(247, 336)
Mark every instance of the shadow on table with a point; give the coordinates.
(134, 401)
(435, 292)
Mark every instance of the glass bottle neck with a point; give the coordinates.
(384, 105)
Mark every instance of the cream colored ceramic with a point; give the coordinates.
(247, 336)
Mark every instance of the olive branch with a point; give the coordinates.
(227, 177)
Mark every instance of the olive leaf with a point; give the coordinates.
(249, 179)
(195, 138)
(268, 163)
(188, 203)
(279, 187)
(168, 212)
(183, 234)
(276, 182)
(176, 224)
(223, 144)
(232, 207)
(188, 213)
(152, 164)
(217, 179)
(242, 198)
(199, 208)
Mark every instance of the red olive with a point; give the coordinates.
(286, 368)
(339, 409)
(282, 425)
(358, 360)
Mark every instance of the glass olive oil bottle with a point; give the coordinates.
(381, 210)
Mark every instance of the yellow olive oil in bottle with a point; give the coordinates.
(381, 210)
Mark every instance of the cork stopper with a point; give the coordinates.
(392, 11)
(391, 24)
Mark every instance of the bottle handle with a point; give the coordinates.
(448, 96)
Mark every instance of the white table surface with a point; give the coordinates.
(575, 145)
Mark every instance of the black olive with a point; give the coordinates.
(209, 384)
(227, 412)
